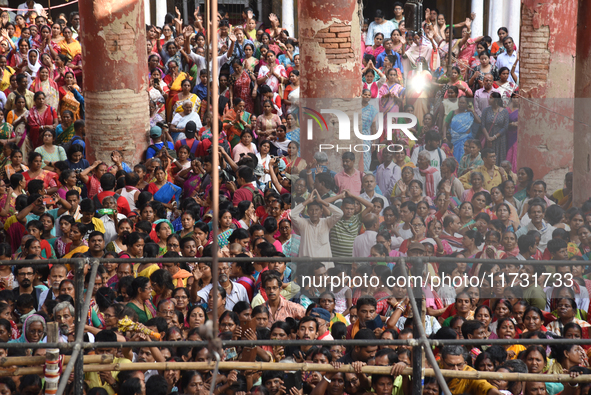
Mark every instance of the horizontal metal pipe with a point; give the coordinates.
(432, 259)
(298, 343)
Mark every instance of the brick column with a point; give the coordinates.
(582, 137)
(547, 77)
(330, 44)
(114, 63)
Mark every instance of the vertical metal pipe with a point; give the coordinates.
(80, 321)
(417, 351)
(186, 11)
(216, 162)
(451, 36)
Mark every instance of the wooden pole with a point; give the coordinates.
(312, 367)
(28, 361)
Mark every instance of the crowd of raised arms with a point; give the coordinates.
(455, 192)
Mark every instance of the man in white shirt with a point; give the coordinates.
(536, 211)
(200, 60)
(428, 175)
(363, 243)
(388, 173)
(234, 292)
(539, 191)
(509, 59)
(29, 5)
(379, 25)
(369, 190)
(314, 230)
(432, 142)
(57, 273)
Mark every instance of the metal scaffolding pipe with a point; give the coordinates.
(301, 260)
(74, 360)
(299, 343)
(418, 326)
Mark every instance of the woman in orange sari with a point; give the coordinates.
(174, 80)
(67, 96)
(235, 121)
(43, 83)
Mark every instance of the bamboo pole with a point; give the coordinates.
(310, 367)
(40, 360)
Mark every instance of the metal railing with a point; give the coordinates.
(419, 344)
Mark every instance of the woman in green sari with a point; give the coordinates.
(65, 130)
(140, 294)
(525, 177)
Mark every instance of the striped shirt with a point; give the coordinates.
(343, 235)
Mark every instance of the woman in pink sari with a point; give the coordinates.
(41, 117)
(466, 47)
(390, 95)
(44, 83)
(272, 74)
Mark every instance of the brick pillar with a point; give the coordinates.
(330, 44)
(547, 77)
(114, 63)
(582, 137)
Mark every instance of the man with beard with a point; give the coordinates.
(57, 273)
(64, 315)
(25, 276)
(235, 292)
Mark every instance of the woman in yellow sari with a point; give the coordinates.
(174, 79)
(78, 244)
(67, 96)
(184, 96)
(69, 46)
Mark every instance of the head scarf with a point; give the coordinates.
(33, 67)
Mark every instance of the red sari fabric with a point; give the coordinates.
(242, 90)
(36, 120)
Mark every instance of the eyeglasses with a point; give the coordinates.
(27, 274)
(36, 332)
(167, 312)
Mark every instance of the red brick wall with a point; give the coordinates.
(336, 40)
(534, 54)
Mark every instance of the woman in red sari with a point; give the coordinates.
(240, 82)
(18, 61)
(35, 172)
(44, 83)
(41, 117)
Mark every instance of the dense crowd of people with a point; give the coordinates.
(455, 192)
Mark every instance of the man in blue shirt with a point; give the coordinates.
(388, 44)
(158, 144)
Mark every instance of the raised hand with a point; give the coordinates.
(249, 14)
(232, 37)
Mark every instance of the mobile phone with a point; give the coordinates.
(231, 354)
(48, 201)
(291, 380)
(375, 323)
